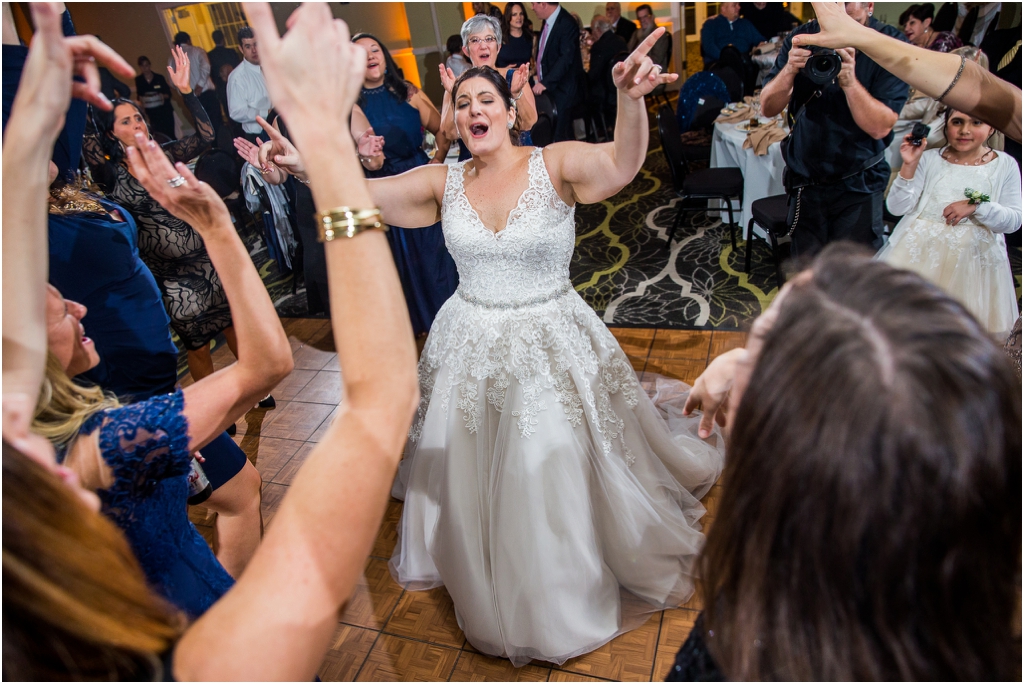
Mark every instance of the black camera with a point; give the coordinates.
(822, 66)
(919, 133)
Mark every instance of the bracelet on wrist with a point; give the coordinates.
(347, 222)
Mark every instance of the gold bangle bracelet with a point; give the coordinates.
(347, 222)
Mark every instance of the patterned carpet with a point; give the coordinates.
(624, 269)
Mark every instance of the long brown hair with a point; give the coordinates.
(871, 523)
(76, 604)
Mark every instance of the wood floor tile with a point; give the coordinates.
(675, 628)
(308, 357)
(201, 515)
(272, 496)
(428, 616)
(324, 388)
(475, 667)
(634, 341)
(295, 420)
(687, 370)
(291, 385)
(253, 420)
(268, 454)
(662, 664)
(724, 340)
(321, 431)
(288, 471)
(375, 597)
(627, 657)
(304, 328)
(387, 535)
(347, 653)
(681, 344)
(563, 676)
(394, 659)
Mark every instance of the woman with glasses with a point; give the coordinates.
(481, 38)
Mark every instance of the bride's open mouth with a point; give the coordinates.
(478, 130)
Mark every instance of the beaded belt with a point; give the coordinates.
(489, 304)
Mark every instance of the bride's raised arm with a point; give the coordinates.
(590, 173)
(411, 199)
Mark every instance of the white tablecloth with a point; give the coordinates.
(762, 176)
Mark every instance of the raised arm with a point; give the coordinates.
(37, 116)
(977, 92)
(590, 173)
(270, 626)
(190, 146)
(264, 356)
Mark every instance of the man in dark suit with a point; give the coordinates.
(607, 47)
(559, 64)
(623, 28)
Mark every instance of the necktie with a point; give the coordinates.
(967, 28)
(540, 50)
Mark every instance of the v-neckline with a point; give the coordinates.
(519, 202)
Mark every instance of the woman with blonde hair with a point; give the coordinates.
(269, 626)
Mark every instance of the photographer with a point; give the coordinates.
(841, 126)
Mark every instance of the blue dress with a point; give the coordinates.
(425, 267)
(94, 260)
(146, 447)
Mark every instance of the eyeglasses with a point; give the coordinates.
(486, 40)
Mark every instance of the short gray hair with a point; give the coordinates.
(600, 23)
(479, 24)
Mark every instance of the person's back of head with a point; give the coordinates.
(600, 25)
(870, 527)
(182, 38)
(218, 38)
(76, 604)
(454, 44)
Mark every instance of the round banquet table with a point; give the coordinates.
(762, 176)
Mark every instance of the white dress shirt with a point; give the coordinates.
(198, 68)
(247, 96)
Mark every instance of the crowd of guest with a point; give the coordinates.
(809, 571)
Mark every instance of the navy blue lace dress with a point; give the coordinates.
(146, 447)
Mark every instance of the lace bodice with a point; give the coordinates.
(526, 262)
(950, 184)
(146, 446)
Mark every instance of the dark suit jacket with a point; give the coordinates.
(562, 64)
(599, 78)
(625, 29)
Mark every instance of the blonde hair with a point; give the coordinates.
(64, 405)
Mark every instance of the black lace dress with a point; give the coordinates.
(172, 249)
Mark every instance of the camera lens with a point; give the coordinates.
(823, 66)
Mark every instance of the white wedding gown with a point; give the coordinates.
(542, 486)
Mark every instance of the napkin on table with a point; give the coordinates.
(762, 137)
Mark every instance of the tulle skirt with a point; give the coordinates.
(968, 261)
(544, 488)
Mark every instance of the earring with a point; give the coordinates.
(511, 124)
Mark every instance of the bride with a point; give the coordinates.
(542, 486)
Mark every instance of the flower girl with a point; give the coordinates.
(956, 202)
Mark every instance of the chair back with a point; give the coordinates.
(672, 145)
(732, 80)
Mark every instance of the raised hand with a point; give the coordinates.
(248, 151)
(297, 91)
(47, 82)
(910, 153)
(837, 27)
(180, 73)
(637, 75)
(193, 201)
(279, 150)
(447, 78)
(370, 145)
(520, 79)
